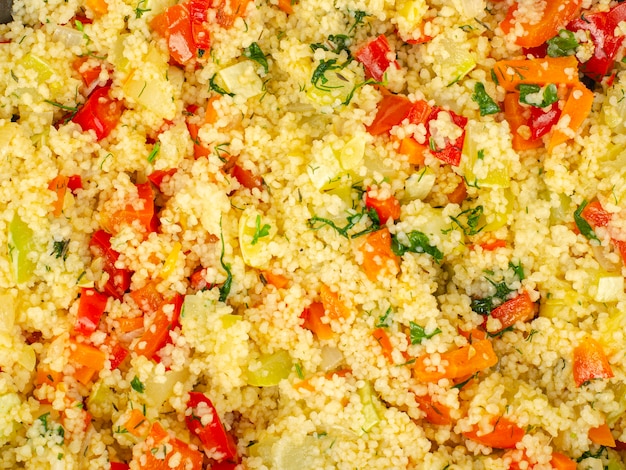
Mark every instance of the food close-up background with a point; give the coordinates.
(312, 234)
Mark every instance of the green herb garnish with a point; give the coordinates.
(563, 44)
(254, 52)
(418, 243)
(155, 151)
(549, 94)
(137, 385)
(486, 104)
(260, 231)
(583, 225)
(418, 334)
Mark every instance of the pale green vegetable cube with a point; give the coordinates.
(241, 79)
(270, 370)
(21, 245)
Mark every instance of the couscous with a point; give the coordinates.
(281, 234)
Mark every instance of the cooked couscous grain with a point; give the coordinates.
(282, 234)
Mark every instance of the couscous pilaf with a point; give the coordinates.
(313, 234)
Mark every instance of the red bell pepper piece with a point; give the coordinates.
(117, 354)
(376, 57)
(157, 176)
(90, 310)
(505, 434)
(119, 466)
(119, 279)
(393, 109)
(100, 113)
(145, 214)
(246, 178)
(157, 332)
(198, 12)
(519, 308)
(164, 452)
(74, 183)
(386, 209)
(541, 120)
(601, 27)
(204, 422)
(451, 153)
(174, 24)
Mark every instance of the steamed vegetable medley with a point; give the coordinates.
(307, 234)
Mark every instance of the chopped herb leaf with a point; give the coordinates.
(254, 52)
(225, 288)
(139, 10)
(469, 219)
(418, 334)
(528, 95)
(318, 79)
(137, 385)
(299, 371)
(418, 243)
(260, 231)
(518, 269)
(486, 104)
(59, 249)
(385, 320)
(216, 88)
(583, 225)
(563, 44)
(358, 18)
(155, 151)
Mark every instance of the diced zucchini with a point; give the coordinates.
(270, 369)
(419, 185)
(452, 57)
(607, 287)
(561, 305)
(21, 245)
(256, 231)
(240, 79)
(334, 86)
(325, 170)
(351, 155)
(371, 405)
(160, 388)
(614, 107)
(483, 160)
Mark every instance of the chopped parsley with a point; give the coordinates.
(254, 52)
(315, 223)
(155, 151)
(259, 231)
(518, 269)
(582, 224)
(225, 288)
(335, 43)
(318, 79)
(137, 385)
(418, 334)
(418, 242)
(385, 320)
(486, 104)
(59, 249)
(528, 94)
(139, 10)
(563, 44)
(358, 15)
(216, 88)
(485, 305)
(468, 220)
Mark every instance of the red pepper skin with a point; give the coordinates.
(74, 183)
(119, 279)
(451, 153)
(385, 208)
(198, 12)
(392, 110)
(100, 113)
(375, 57)
(90, 310)
(213, 436)
(590, 362)
(601, 27)
(542, 120)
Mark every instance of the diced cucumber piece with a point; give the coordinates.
(270, 369)
(21, 244)
(240, 79)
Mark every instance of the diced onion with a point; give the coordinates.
(69, 36)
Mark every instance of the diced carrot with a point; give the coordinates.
(517, 309)
(562, 462)
(86, 355)
(277, 280)
(58, 185)
(139, 210)
(333, 306)
(157, 332)
(491, 245)
(590, 362)
(413, 149)
(199, 150)
(576, 109)
(602, 435)
(473, 335)
(49, 377)
(556, 15)
(436, 413)
(460, 362)
(126, 325)
(137, 424)
(286, 6)
(312, 316)
(505, 434)
(377, 255)
(542, 71)
(99, 7)
(514, 115)
(210, 114)
(381, 336)
(147, 298)
(84, 374)
(176, 455)
(458, 194)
